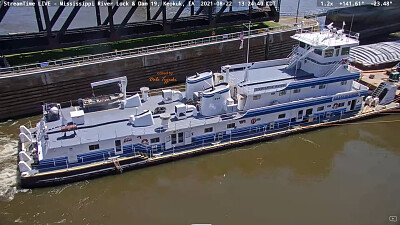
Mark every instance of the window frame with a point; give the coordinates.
(297, 90)
(346, 50)
(152, 140)
(95, 147)
(208, 129)
(256, 97)
(231, 126)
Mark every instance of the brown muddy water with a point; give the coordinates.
(339, 175)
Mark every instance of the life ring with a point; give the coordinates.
(145, 141)
(253, 121)
(335, 105)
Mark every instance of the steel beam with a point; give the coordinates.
(38, 17)
(3, 10)
(127, 17)
(159, 11)
(97, 8)
(222, 9)
(276, 11)
(111, 12)
(148, 9)
(46, 20)
(164, 17)
(68, 21)
(57, 14)
(199, 10)
(180, 10)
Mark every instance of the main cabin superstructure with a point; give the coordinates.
(315, 83)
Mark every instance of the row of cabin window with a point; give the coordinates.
(296, 91)
(328, 52)
(230, 125)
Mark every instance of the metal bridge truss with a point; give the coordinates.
(116, 30)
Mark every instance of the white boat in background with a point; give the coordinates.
(246, 102)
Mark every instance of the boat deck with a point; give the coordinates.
(111, 123)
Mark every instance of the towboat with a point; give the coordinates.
(313, 87)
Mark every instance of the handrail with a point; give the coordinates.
(78, 60)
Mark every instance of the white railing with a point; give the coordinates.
(141, 50)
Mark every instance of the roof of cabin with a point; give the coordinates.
(274, 77)
(111, 123)
(325, 38)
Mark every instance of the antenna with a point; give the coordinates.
(351, 24)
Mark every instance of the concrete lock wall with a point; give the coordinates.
(21, 95)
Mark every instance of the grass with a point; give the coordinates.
(55, 54)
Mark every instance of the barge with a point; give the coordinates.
(314, 87)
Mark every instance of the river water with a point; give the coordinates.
(338, 175)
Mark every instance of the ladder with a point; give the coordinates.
(295, 58)
(378, 90)
(116, 163)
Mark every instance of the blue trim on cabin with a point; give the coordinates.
(322, 81)
(218, 92)
(200, 79)
(287, 107)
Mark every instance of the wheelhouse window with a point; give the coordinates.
(320, 108)
(328, 53)
(297, 90)
(242, 121)
(322, 86)
(231, 125)
(94, 147)
(282, 93)
(256, 97)
(345, 50)
(302, 44)
(281, 116)
(318, 51)
(341, 104)
(343, 82)
(208, 130)
(155, 140)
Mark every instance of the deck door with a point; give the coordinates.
(118, 147)
(168, 144)
(188, 138)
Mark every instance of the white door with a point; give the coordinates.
(118, 147)
(188, 138)
(168, 144)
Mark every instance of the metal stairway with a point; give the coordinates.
(378, 90)
(294, 57)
